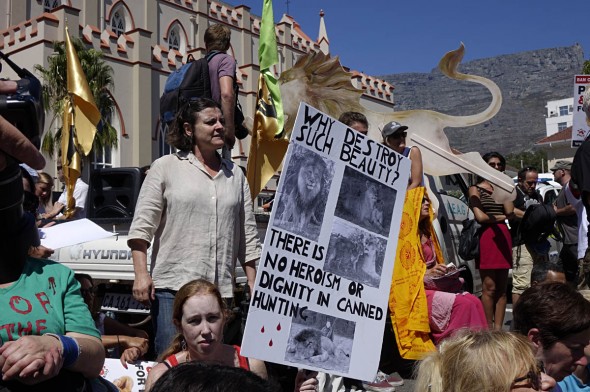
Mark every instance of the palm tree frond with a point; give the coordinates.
(100, 80)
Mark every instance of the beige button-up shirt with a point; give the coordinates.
(199, 225)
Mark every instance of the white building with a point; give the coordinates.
(559, 115)
(143, 41)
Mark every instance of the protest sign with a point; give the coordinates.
(131, 379)
(580, 127)
(323, 280)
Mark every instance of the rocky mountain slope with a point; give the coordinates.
(527, 81)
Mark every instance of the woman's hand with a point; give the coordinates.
(306, 381)
(130, 355)
(437, 270)
(135, 348)
(143, 288)
(138, 342)
(31, 359)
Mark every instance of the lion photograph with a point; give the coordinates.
(303, 193)
(355, 254)
(365, 202)
(321, 340)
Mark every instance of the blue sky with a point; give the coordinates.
(392, 36)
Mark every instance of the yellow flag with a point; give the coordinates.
(86, 114)
(80, 117)
(267, 147)
(71, 161)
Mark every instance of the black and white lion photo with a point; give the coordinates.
(365, 202)
(305, 189)
(321, 340)
(355, 254)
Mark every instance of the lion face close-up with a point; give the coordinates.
(309, 183)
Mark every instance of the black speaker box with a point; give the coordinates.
(112, 193)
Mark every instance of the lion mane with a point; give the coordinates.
(324, 84)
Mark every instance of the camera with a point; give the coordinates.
(24, 110)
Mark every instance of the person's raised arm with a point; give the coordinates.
(416, 172)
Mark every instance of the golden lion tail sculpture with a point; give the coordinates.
(321, 82)
(448, 66)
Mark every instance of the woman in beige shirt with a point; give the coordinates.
(197, 209)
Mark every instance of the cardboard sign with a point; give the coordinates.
(131, 379)
(323, 280)
(580, 127)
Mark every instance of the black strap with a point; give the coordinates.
(212, 54)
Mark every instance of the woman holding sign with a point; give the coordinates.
(199, 315)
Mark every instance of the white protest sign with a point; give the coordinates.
(580, 128)
(323, 280)
(131, 379)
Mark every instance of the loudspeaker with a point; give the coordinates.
(113, 193)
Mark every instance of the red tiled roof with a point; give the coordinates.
(561, 136)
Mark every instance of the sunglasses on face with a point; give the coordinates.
(399, 135)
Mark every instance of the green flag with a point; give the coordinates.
(267, 147)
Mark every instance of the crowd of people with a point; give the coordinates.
(195, 211)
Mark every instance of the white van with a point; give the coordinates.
(451, 192)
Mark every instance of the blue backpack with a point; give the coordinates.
(190, 81)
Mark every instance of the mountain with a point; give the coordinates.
(527, 81)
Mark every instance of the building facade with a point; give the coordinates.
(559, 115)
(144, 41)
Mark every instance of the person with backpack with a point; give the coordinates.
(222, 74)
(534, 250)
(213, 77)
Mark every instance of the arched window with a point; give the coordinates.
(49, 5)
(174, 39)
(106, 157)
(118, 22)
